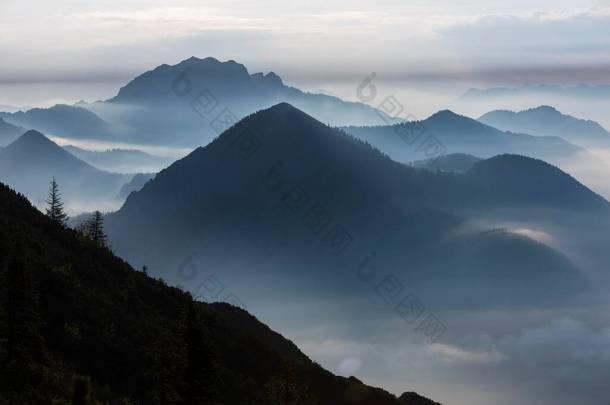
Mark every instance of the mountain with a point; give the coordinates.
(532, 180)
(547, 121)
(289, 199)
(135, 184)
(581, 91)
(81, 323)
(192, 102)
(29, 163)
(9, 132)
(63, 120)
(121, 160)
(454, 162)
(413, 398)
(447, 132)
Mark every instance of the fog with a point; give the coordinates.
(516, 293)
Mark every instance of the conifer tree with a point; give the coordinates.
(95, 229)
(55, 209)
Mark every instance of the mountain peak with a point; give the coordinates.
(545, 109)
(445, 114)
(412, 398)
(447, 117)
(525, 175)
(282, 111)
(546, 120)
(448, 120)
(210, 63)
(32, 138)
(270, 78)
(282, 115)
(283, 108)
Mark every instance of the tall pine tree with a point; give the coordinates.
(95, 229)
(55, 209)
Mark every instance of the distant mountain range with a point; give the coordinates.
(588, 91)
(547, 121)
(187, 104)
(29, 163)
(190, 103)
(454, 133)
(121, 160)
(135, 184)
(229, 85)
(274, 187)
(64, 121)
(9, 132)
(82, 311)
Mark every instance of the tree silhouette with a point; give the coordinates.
(55, 209)
(198, 374)
(95, 229)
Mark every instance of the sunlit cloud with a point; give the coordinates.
(456, 354)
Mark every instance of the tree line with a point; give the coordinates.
(93, 228)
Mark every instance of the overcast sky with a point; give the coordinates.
(499, 40)
(66, 50)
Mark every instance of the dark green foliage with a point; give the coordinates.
(77, 310)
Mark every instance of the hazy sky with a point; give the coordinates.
(105, 43)
(67, 50)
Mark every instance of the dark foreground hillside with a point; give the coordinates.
(80, 326)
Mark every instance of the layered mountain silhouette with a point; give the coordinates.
(73, 312)
(458, 134)
(547, 121)
(188, 104)
(135, 184)
(121, 160)
(9, 132)
(29, 163)
(63, 120)
(278, 188)
(517, 179)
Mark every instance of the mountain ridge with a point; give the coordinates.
(548, 121)
(63, 120)
(9, 132)
(454, 133)
(29, 163)
(195, 95)
(88, 311)
(234, 193)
